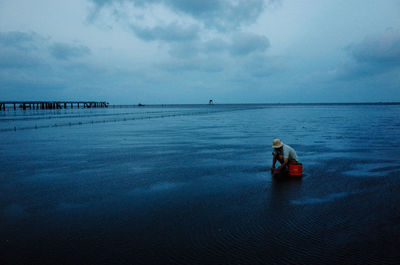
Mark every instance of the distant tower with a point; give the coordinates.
(210, 102)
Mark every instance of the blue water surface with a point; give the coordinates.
(191, 185)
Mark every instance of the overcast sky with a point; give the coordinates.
(190, 51)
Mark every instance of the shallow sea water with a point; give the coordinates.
(191, 185)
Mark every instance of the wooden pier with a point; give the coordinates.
(51, 105)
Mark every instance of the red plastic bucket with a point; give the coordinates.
(295, 169)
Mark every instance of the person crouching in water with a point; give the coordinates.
(284, 154)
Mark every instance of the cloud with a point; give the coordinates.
(21, 40)
(185, 50)
(64, 51)
(30, 65)
(350, 70)
(215, 45)
(223, 15)
(20, 50)
(246, 43)
(10, 59)
(198, 64)
(263, 66)
(27, 46)
(382, 49)
(220, 14)
(170, 33)
(238, 45)
(376, 54)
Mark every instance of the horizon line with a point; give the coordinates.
(214, 103)
(264, 103)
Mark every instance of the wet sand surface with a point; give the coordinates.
(191, 185)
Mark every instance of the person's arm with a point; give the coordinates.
(273, 161)
(283, 165)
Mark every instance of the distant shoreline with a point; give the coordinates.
(116, 106)
(258, 104)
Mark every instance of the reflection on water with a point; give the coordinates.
(328, 198)
(191, 185)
